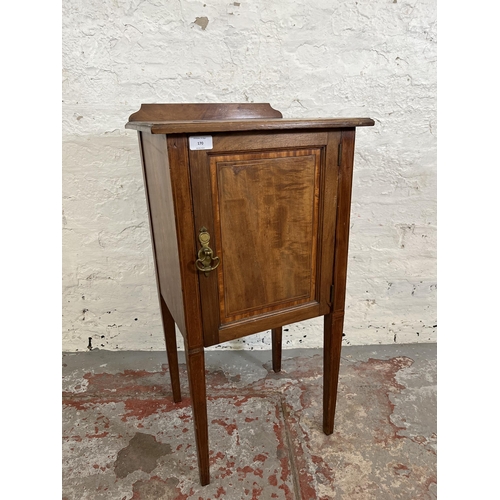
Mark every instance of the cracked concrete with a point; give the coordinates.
(124, 437)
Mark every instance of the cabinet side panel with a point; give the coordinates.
(163, 227)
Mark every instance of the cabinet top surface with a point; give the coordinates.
(224, 117)
(206, 126)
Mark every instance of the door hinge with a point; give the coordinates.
(339, 156)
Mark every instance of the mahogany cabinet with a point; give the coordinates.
(249, 218)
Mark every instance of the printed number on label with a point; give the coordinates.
(198, 142)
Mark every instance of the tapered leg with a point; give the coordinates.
(170, 342)
(333, 342)
(276, 334)
(195, 360)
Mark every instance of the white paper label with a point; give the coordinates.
(197, 142)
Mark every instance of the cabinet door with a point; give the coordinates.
(268, 203)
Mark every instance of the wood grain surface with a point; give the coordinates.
(163, 224)
(203, 111)
(212, 127)
(266, 208)
(275, 196)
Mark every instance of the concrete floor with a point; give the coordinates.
(124, 437)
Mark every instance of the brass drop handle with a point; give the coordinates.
(206, 261)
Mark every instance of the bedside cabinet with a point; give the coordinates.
(249, 218)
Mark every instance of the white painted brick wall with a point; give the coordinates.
(373, 58)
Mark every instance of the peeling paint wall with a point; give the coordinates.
(308, 59)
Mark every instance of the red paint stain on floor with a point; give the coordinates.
(230, 428)
(250, 470)
(256, 493)
(283, 458)
(144, 394)
(101, 435)
(226, 471)
(381, 374)
(157, 488)
(215, 458)
(220, 492)
(142, 408)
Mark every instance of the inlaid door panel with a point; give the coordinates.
(266, 224)
(266, 210)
